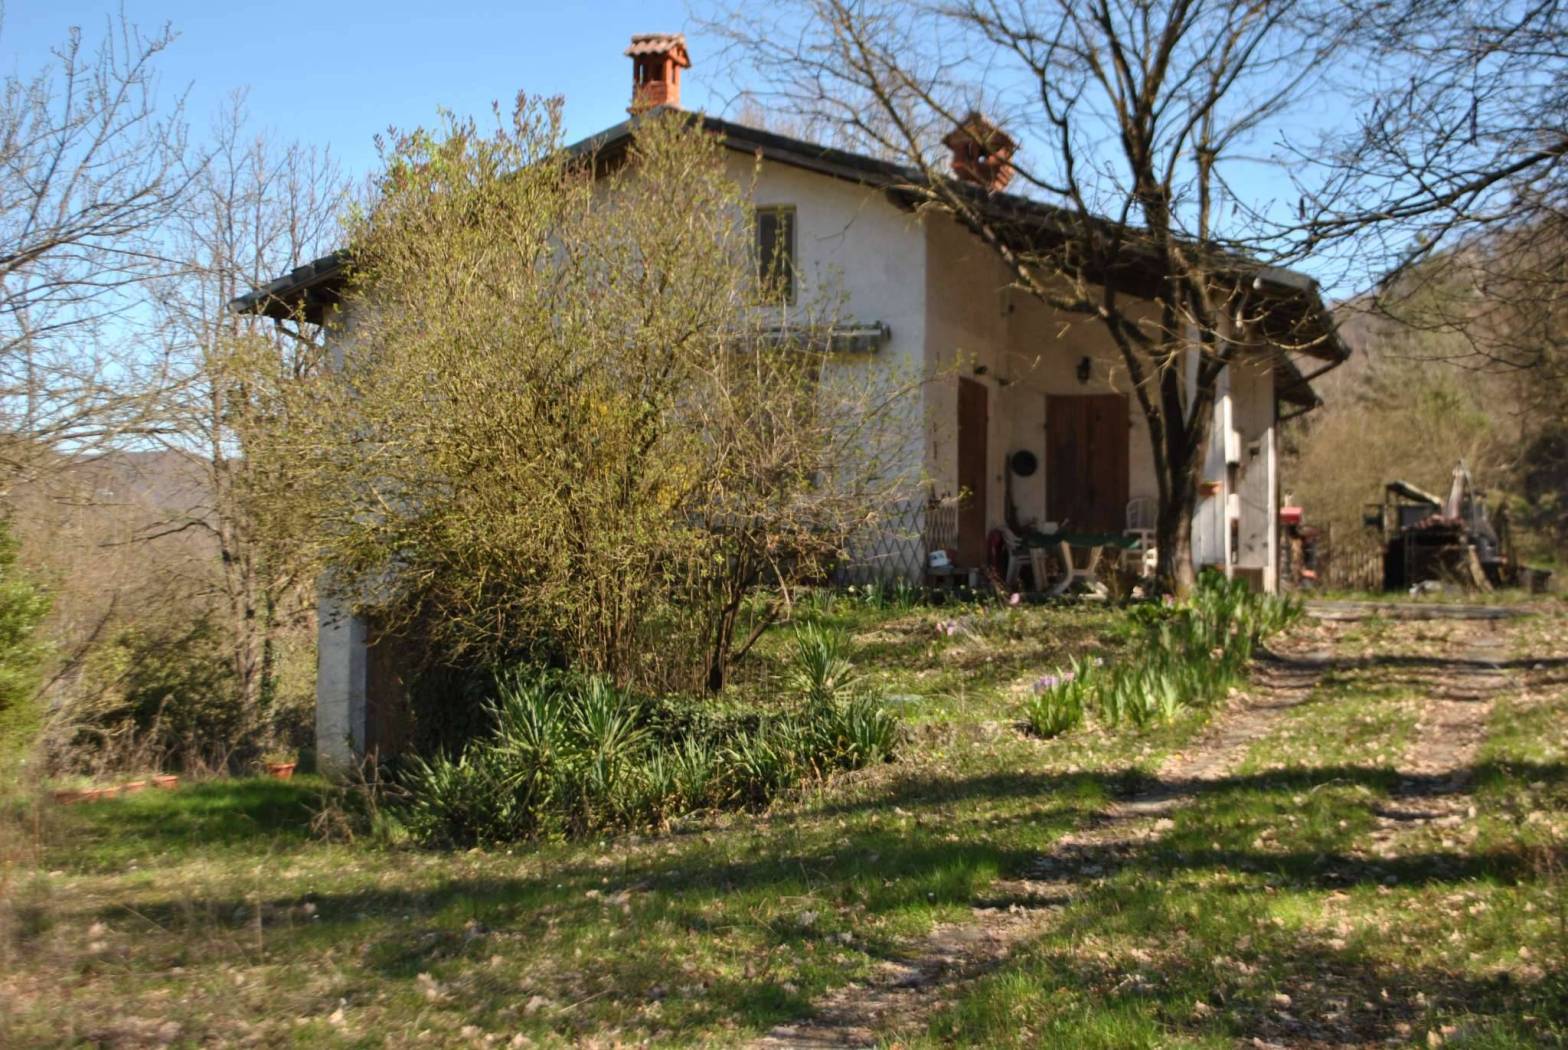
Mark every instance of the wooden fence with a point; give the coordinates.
(1350, 563)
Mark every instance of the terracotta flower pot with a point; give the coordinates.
(281, 770)
(166, 781)
(131, 787)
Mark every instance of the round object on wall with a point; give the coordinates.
(1023, 463)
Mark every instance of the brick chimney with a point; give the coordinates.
(657, 61)
(982, 152)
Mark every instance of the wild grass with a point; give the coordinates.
(213, 916)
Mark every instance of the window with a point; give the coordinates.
(776, 252)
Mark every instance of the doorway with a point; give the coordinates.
(1086, 480)
(973, 421)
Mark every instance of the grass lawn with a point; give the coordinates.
(211, 915)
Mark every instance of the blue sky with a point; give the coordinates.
(336, 72)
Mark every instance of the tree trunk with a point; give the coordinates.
(1173, 537)
(1178, 464)
(723, 639)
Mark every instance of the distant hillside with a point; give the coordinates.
(1409, 404)
(111, 538)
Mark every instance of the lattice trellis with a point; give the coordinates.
(897, 545)
(889, 550)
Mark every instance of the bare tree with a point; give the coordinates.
(255, 209)
(1461, 135)
(90, 167)
(1125, 120)
(1447, 200)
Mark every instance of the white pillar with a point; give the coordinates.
(340, 685)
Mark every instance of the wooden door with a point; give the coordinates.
(1086, 462)
(388, 714)
(973, 420)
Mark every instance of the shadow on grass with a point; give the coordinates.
(888, 868)
(221, 814)
(1334, 997)
(731, 904)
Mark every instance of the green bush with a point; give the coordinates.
(23, 606)
(568, 756)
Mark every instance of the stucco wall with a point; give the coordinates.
(1028, 350)
(864, 259)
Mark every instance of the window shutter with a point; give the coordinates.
(776, 252)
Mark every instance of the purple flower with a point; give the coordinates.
(1015, 599)
(1068, 676)
(1045, 682)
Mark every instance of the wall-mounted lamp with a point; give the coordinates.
(981, 370)
(1084, 367)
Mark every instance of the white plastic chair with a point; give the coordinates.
(1141, 511)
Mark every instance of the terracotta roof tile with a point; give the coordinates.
(658, 44)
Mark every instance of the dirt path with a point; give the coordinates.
(1434, 773)
(916, 985)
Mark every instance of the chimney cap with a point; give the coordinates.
(672, 44)
(982, 152)
(977, 130)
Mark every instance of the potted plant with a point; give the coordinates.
(280, 764)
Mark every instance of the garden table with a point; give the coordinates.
(1064, 542)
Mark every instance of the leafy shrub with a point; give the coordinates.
(23, 606)
(569, 756)
(160, 693)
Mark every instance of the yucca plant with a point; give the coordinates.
(696, 763)
(852, 733)
(760, 763)
(462, 802)
(820, 671)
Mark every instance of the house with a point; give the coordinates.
(1026, 412)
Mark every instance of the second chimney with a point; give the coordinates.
(657, 61)
(982, 152)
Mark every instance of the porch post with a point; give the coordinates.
(340, 684)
